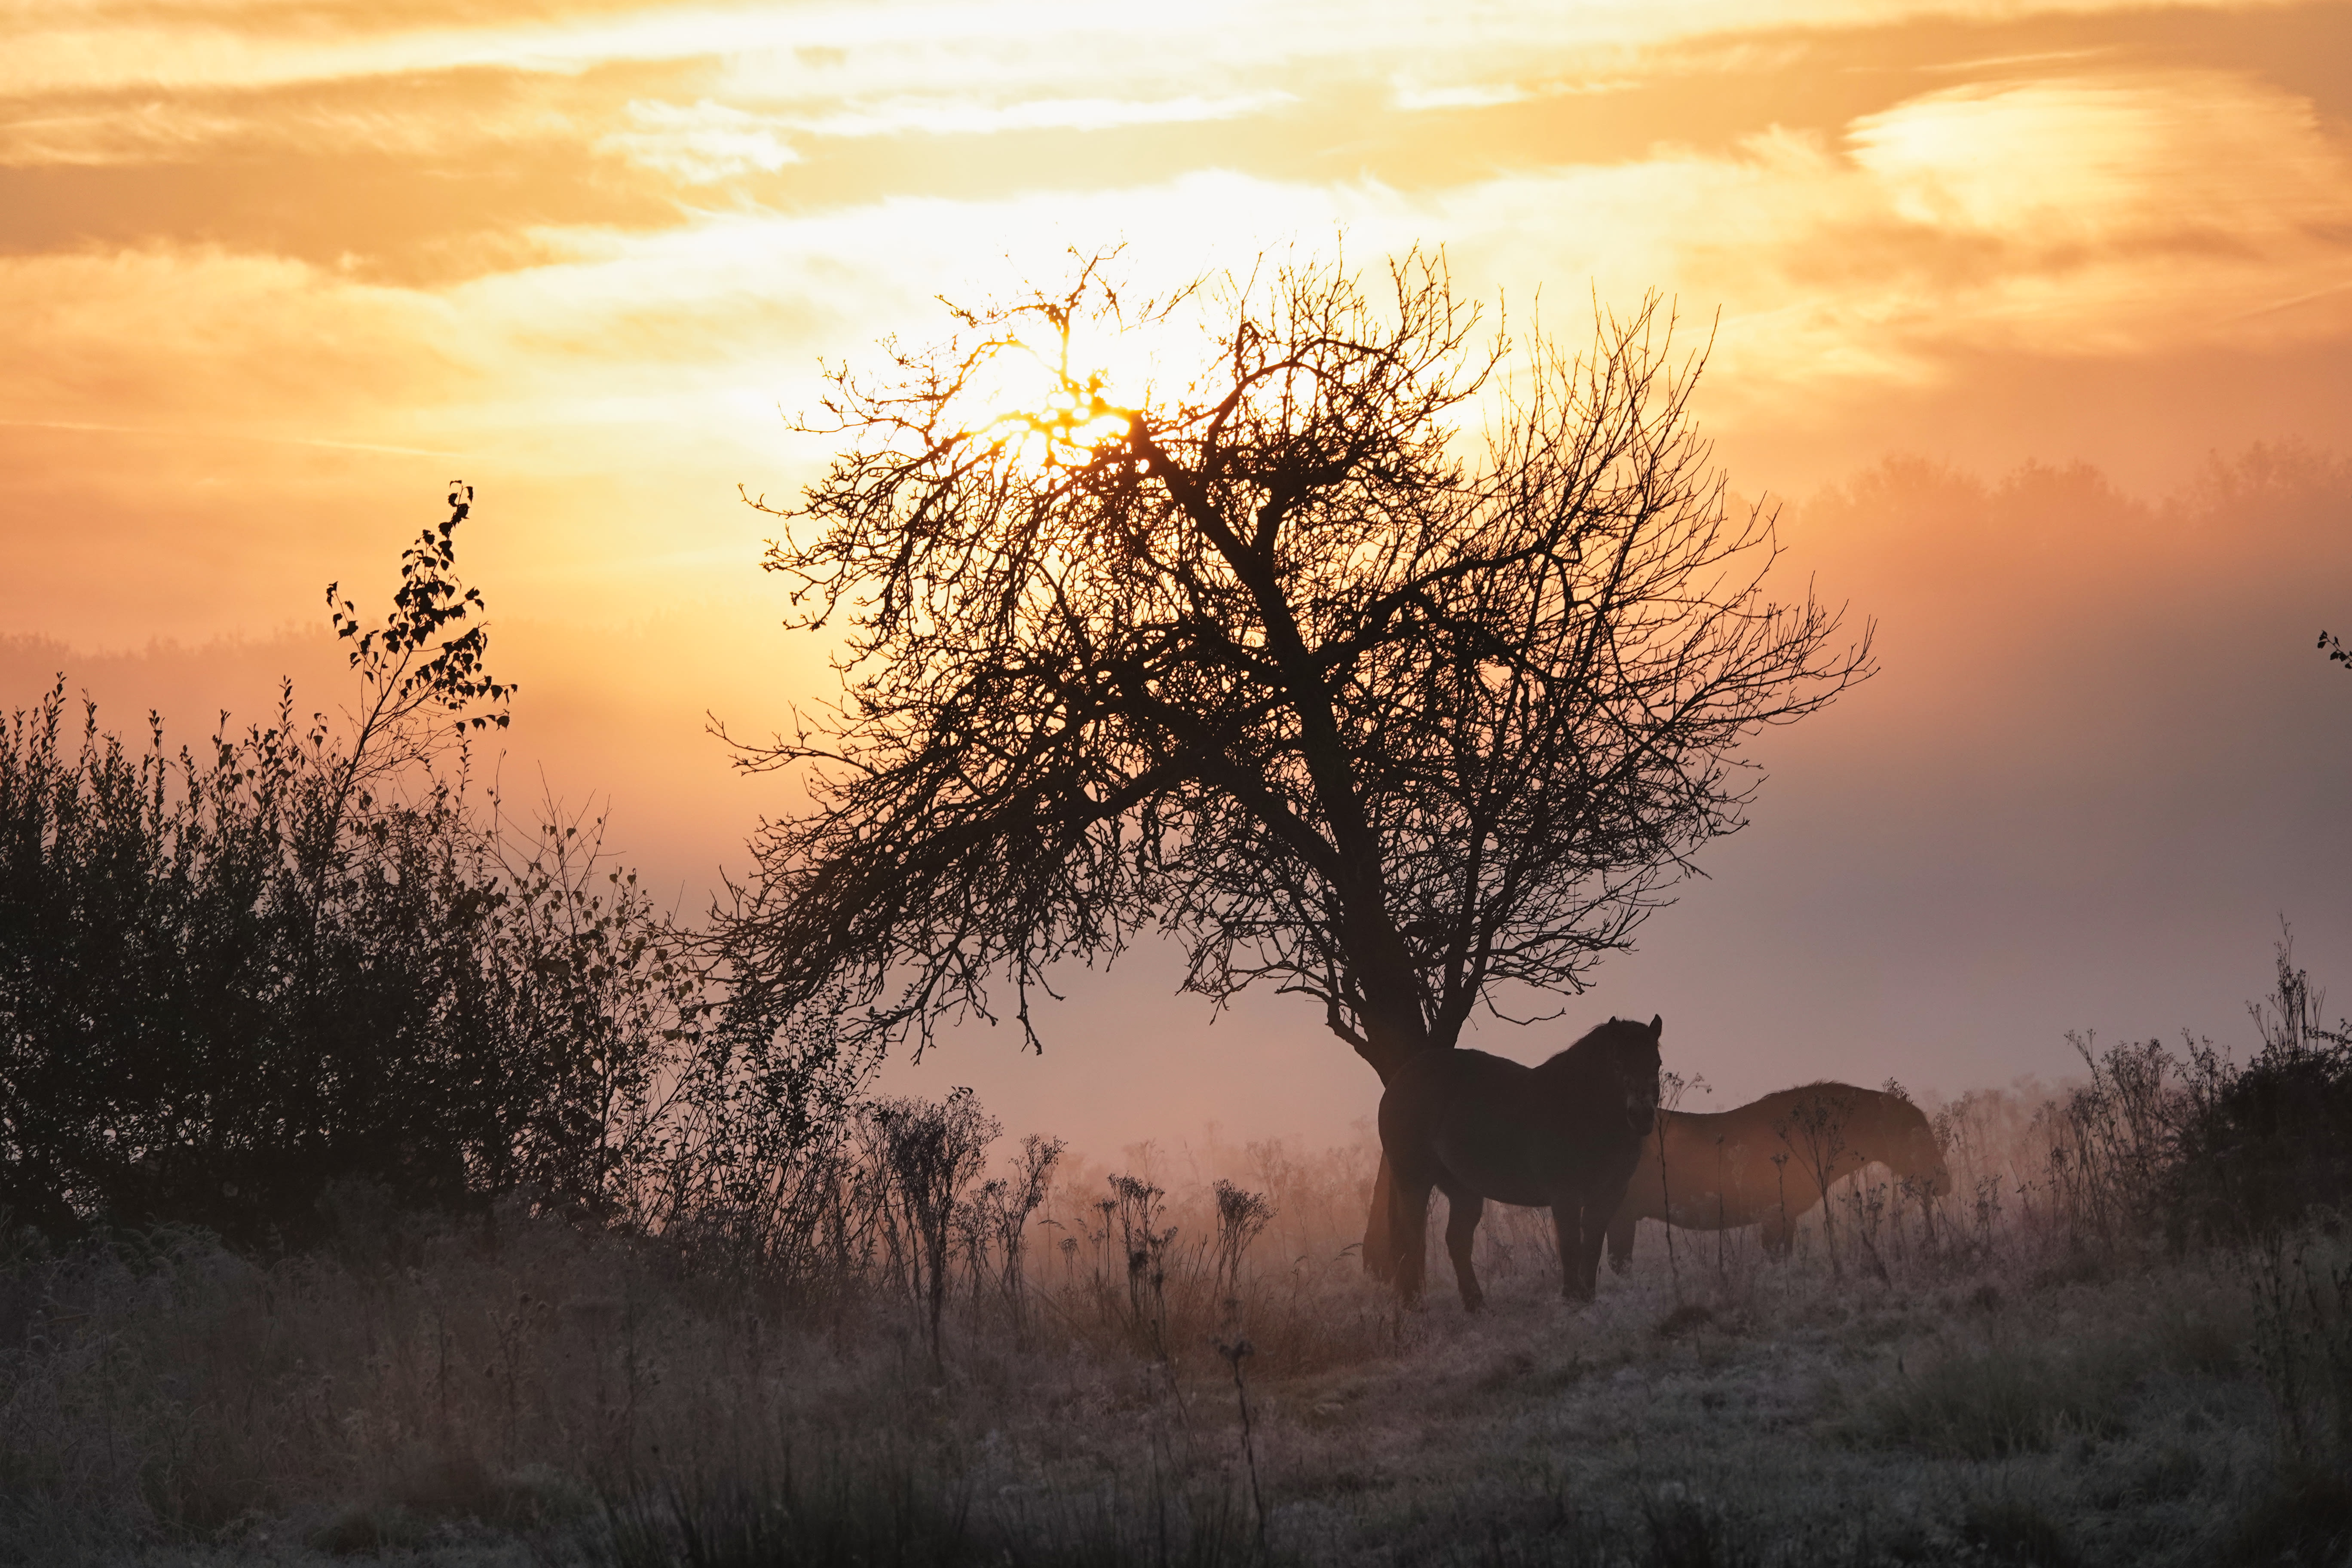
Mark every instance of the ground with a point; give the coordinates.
(518, 1390)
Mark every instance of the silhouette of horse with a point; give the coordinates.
(1564, 1135)
(1770, 1161)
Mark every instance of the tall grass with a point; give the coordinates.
(419, 1376)
(590, 1395)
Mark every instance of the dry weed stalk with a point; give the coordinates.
(1241, 1216)
(1815, 1132)
(1234, 1352)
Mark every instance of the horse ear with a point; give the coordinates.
(1657, 1023)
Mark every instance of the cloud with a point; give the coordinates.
(2127, 214)
(2123, 212)
(699, 144)
(2132, 213)
(633, 268)
(1411, 98)
(163, 336)
(2197, 157)
(974, 117)
(140, 131)
(420, 118)
(186, 46)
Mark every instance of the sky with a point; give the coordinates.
(2034, 320)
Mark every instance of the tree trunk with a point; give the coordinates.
(1378, 1251)
(1387, 1050)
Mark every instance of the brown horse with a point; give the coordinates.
(1770, 1161)
(1564, 1135)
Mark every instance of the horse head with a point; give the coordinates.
(1633, 1062)
(1919, 1156)
(1900, 1138)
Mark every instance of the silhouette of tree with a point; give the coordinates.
(1271, 655)
(420, 668)
(2334, 650)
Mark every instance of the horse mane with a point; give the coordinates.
(1591, 1047)
(1837, 1086)
(1867, 1100)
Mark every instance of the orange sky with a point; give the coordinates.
(272, 271)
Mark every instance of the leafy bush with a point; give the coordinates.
(305, 962)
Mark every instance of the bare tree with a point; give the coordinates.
(1275, 656)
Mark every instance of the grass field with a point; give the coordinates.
(2007, 1387)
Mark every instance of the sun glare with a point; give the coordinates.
(1045, 408)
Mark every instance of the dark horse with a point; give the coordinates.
(1564, 1136)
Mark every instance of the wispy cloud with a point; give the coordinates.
(1413, 97)
(1462, 95)
(2108, 159)
(973, 117)
(217, 434)
(149, 132)
(184, 46)
(700, 143)
(2130, 215)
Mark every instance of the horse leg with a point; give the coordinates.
(1463, 1209)
(1380, 1258)
(1779, 1232)
(1621, 1238)
(1408, 1231)
(1576, 1271)
(1587, 1257)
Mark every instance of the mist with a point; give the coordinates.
(2095, 781)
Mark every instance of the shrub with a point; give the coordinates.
(305, 963)
(2268, 1143)
(2190, 1146)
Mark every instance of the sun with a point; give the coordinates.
(1049, 398)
